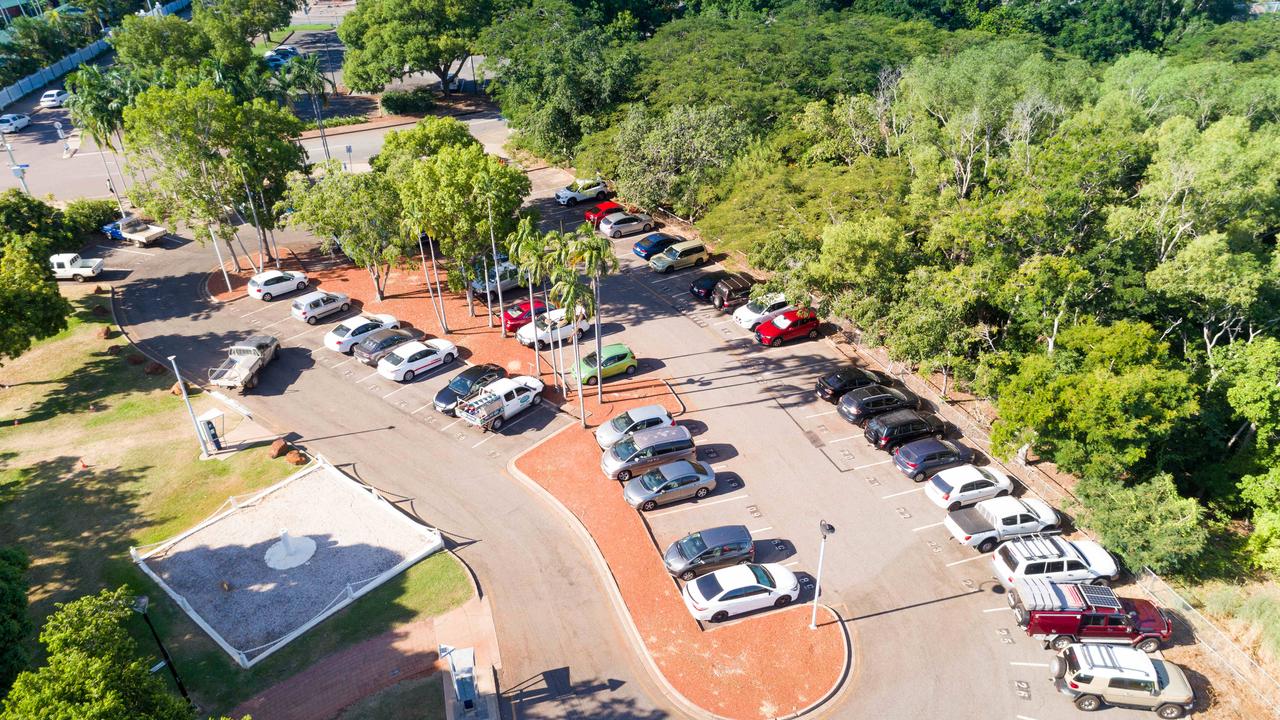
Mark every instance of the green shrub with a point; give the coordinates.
(417, 101)
(338, 121)
(84, 217)
(15, 625)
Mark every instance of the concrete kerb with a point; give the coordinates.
(620, 608)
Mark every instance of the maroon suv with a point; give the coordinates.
(1064, 613)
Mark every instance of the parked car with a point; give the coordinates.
(632, 421)
(286, 51)
(464, 384)
(647, 449)
(759, 311)
(1059, 614)
(1053, 558)
(624, 223)
(618, 360)
(274, 283)
(133, 229)
(523, 312)
(274, 61)
(70, 266)
(415, 358)
(732, 291)
(990, 522)
(899, 427)
(730, 591)
(961, 486)
(919, 459)
(580, 190)
(858, 406)
(377, 344)
(669, 483)
(13, 122)
(346, 334)
(790, 325)
(505, 278)
(711, 549)
(653, 244)
(500, 401)
(1094, 675)
(245, 361)
(684, 254)
(704, 285)
(833, 386)
(53, 98)
(551, 326)
(597, 212)
(315, 305)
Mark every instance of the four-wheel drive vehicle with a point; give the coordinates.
(957, 487)
(593, 189)
(858, 406)
(710, 549)
(1095, 675)
(464, 383)
(500, 401)
(632, 421)
(1060, 614)
(132, 228)
(618, 360)
(69, 266)
(244, 361)
(1054, 558)
(549, 327)
(680, 480)
(833, 386)
(686, 253)
(315, 305)
(739, 589)
(647, 449)
(890, 430)
(993, 521)
(505, 277)
(732, 291)
(789, 325)
(919, 459)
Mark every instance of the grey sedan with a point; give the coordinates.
(668, 483)
(622, 223)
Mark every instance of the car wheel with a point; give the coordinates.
(953, 507)
(688, 575)
(312, 320)
(648, 505)
(573, 201)
(1101, 582)
(1002, 493)
(1088, 703)
(1170, 711)
(408, 376)
(266, 297)
(448, 358)
(987, 545)
(1149, 645)
(776, 342)
(1021, 616)
(624, 475)
(718, 303)
(918, 477)
(813, 334)
(344, 307)
(782, 601)
(600, 195)
(537, 400)
(615, 234)
(700, 261)
(1061, 642)
(541, 345)
(720, 617)
(1058, 668)
(667, 270)
(631, 369)
(591, 380)
(701, 493)
(78, 278)
(301, 285)
(497, 424)
(647, 227)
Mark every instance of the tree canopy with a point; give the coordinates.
(388, 40)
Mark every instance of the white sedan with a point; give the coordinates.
(13, 123)
(414, 358)
(274, 283)
(550, 327)
(623, 223)
(740, 589)
(351, 331)
(962, 486)
(54, 98)
(582, 190)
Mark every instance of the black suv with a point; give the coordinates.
(858, 406)
(890, 430)
(731, 292)
(834, 385)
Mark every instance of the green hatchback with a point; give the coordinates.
(618, 360)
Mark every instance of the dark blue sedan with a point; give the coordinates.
(650, 245)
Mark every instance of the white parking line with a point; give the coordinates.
(722, 322)
(108, 248)
(424, 407)
(370, 376)
(393, 392)
(291, 337)
(850, 437)
(791, 564)
(829, 412)
(882, 462)
(344, 362)
(487, 436)
(694, 506)
(265, 306)
(286, 318)
(1023, 717)
(904, 492)
(1026, 664)
(996, 609)
(455, 422)
(757, 531)
(925, 527)
(976, 557)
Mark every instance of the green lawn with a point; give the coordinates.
(416, 699)
(68, 401)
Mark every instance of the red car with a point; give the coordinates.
(598, 211)
(788, 326)
(1063, 613)
(522, 313)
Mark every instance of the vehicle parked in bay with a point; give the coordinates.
(624, 223)
(964, 485)
(582, 190)
(732, 291)
(13, 122)
(919, 459)
(551, 327)
(313, 306)
(379, 343)
(833, 386)
(70, 266)
(416, 357)
(135, 230)
(684, 254)
(244, 363)
(790, 325)
(990, 522)
(652, 245)
(706, 550)
(523, 313)
(464, 384)
(271, 284)
(704, 285)
(597, 212)
(503, 278)
(1096, 675)
(618, 360)
(668, 483)
(860, 405)
(762, 310)
(1053, 558)
(1059, 614)
(632, 421)
(500, 401)
(717, 596)
(345, 335)
(647, 449)
(54, 98)
(888, 431)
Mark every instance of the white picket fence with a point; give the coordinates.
(43, 77)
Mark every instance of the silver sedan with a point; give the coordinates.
(668, 483)
(622, 223)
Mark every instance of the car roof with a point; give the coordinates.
(922, 446)
(316, 295)
(735, 576)
(655, 237)
(899, 416)
(653, 436)
(686, 244)
(267, 274)
(616, 216)
(383, 333)
(257, 341)
(676, 469)
(1007, 505)
(359, 320)
(476, 371)
(645, 412)
(968, 473)
(1115, 661)
(615, 347)
(725, 535)
(1041, 594)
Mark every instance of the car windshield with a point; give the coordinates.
(462, 384)
(762, 576)
(515, 312)
(942, 485)
(589, 360)
(709, 586)
(393, 359)
(625, 449)
(783, 322)
(652, 480)
(987, 474)
(756, 307)
(671, 253)
(542, 323)
(622, 422)
(1006, 556)
(692, 546)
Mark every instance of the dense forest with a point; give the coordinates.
(1068, 208)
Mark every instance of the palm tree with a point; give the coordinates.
(92, 107)
(594, 252)
(304, 76)
(575, 297)
(527, 248)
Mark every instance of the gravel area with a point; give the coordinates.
(221, 572)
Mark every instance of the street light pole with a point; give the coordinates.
(204, 449)
(826, 529)
(18, 170)
(140, 607)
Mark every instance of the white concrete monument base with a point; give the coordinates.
(289, 552)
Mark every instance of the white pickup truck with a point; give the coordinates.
(993, 521)
(244, 362)
(70, 266)
(500, 401)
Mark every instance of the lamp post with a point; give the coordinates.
(140, 606)
(826, 529)
(204, 449)
(19, 170)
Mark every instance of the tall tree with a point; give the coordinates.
(29, 300)
(574, 296)
(15, 623)
(594, 253)
(388, 40)
(303, 76)
(423, 140)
